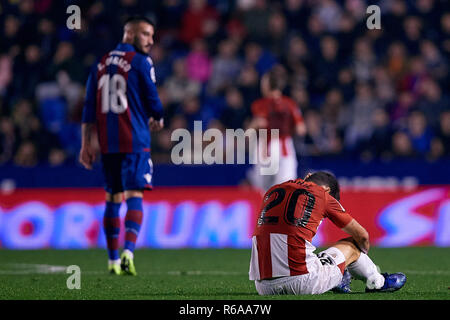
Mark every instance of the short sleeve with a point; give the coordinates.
(296, 113)
(258, 109)
(89, 108)
(151, 100)
(336, 212)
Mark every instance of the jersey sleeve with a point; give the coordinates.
(296, 113)
(336, 212)
(258, 109)
(89, 114)
(151, 101)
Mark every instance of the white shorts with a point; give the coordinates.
(324, 274)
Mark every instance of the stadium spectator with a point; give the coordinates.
(326, 66)
(402, 146)
(296, 13)
(432, 101)
(418, 131)
(443, 132)
(162, 63)
(235, 113)
(329, 14)
(28, 70)
(6, 68)
(57, 157)
(256, 19)
(300, 95)
(26, 155)
(198, 62)
(199, 20)
(322, 44)
(363, 60)
(191, 109)
(248, 84)
(379, 144)
(10, 36)
(179, 85)
(296, 54)
(226, 66)
(277, 34)
(258, 57)
(358, 117)
(8, 140)
(384, 86)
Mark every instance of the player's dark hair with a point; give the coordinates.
(140, 18)
(327, 179)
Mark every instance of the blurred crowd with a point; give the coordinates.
(364, 94)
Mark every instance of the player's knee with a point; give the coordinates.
(116, 197)
(351, 246)
(133, 194)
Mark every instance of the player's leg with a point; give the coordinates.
(133, 221)
(111, 219)
(137, 175)
(361, 267)
(111, 225)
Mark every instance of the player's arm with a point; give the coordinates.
(300, 127)
(87, 152)
(343, 220)
(359, 234)
(150, 97)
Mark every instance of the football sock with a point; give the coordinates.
(111, 225)
(133, 220)
(365, 269)
(111, 262)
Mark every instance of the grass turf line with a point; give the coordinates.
(199, 274)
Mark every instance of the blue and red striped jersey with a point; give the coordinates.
(121, 96)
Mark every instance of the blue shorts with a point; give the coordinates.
(127, 171)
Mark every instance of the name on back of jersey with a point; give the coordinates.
(115, 60)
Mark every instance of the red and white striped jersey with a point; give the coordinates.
(290, 215)
(282, 114)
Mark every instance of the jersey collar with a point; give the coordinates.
(125, 47)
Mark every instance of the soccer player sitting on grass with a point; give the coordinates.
(283, 259)
(122, 102)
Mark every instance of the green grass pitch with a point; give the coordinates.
(212, 274)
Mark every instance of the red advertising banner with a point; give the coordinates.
(203, 217)
(398, 218)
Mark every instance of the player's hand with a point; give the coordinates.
(87, 157)
(156, 125)
(258, 123)
(300, 129)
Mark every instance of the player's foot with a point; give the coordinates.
(392, 282)
(114, 268)
(127, 264)
(344, 286)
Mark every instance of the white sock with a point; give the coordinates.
(129, 253)
(365, 269)
(111, 262)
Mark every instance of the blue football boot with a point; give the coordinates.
(344, 286)
(392, 282)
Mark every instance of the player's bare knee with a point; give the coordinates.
(116, 197)
(352, 252)
(133, 194)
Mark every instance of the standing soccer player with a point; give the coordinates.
(283, 259)
(276, 111)
(122, 103)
